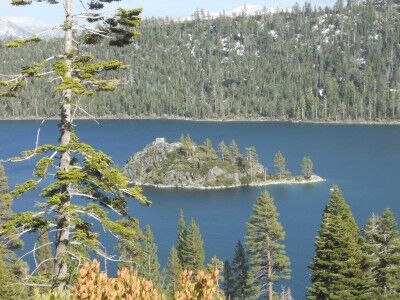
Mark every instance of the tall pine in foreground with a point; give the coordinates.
(193, 250)
(188, 253)
(336, 271)
(174, 270)
(229, 284)
(147, 260)
(180, 242)
(240, 272)
(129, 247)
(382, 247)
(86, 183)
(190, 245)
(268, 260)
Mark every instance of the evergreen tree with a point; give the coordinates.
(252, 160)
(229, 283)
(389, 267)
(5, 206)
(174, 270)
(147, 260)
(280, 165)
(182, 233)
(11, 286)
(336, 271)
(240, 269)
(187, 145)
(210, 149)
(80, 171)
(12, 269)
(307, 167)
(236, 156)
(224, 151)
(44, 255)
(130, 246)
(3, 180)
(382, 247)
(268, 261)
(216, 263)
(370, 259)
(193, 250)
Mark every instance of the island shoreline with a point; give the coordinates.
(315, 179)
(212, 120)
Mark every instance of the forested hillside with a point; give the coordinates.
(339, 63)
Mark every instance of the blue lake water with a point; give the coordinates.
(363, 160)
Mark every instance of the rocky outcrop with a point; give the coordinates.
(185, 164)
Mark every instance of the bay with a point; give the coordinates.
(363, 160)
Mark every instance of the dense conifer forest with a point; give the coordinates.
(322, 64)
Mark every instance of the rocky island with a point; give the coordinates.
(185, 164)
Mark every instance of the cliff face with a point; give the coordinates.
(186, 164)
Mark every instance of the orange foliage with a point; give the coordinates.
(200, 286)
(93, 285)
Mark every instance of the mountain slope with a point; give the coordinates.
(21, 27)
(334, 64)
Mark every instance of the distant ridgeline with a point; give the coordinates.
(338, 63)
(185, 164)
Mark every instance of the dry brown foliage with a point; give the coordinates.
(95, 285)
(200, 286)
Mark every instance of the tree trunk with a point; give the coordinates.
(270, 290)
(63, 226)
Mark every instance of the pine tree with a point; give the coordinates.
(147, 260)
(216, 264)
(252, 159)
(12, 269)
(224, 151)
(187, 145)
(193, 250)
(174, 270)
(211, 153)
(389, 267)
(44, 256)
(280, 165)
(370, 251)
(5, 206)
(336, 270)
(182, 233)
(268, 261)
(382, 247)
(240, 270)
(3, 180)
(236, 156)
(307, 167)
(130, 246)
(229, 283)
(80, 171)
(11, 286)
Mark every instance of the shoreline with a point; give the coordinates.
(312, 180)
(215, 120)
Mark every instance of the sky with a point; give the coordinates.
(157, 8)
